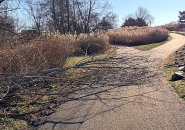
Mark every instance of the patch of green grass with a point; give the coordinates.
(179, 86)
(148, 46)
(151, 45)
(72, 61)
(169, 72)
(12, 124)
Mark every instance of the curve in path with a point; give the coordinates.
(171, 46)
(153, 106)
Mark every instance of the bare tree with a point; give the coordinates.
(60, 13)
(7, 28)
(93, 78)
(69, 16)
(144, 14)
(36, 11)
(85, 12)
(7, 8)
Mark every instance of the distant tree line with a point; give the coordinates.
(67, 16)
(73, 16)
(70, 16)
(7, 26)
(178, 25)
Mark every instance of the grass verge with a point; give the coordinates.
(148, 46)
(179, 86)
(72, 61)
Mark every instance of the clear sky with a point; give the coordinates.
(164, 11)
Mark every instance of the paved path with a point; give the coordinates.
(152, 106)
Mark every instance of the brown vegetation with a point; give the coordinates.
(91, 44)
(50, 52)
(172, 26)
(32, 97)
(137, 35)
(39, 55)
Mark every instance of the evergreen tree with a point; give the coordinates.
(141, 22)
(135, 22)
(182, 18)
(130, 22)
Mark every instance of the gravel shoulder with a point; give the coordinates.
(150, 105)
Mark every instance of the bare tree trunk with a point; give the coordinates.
(36, 13)
(74, 18)
(86, 19)
(54, 15)
(61, 6)
(81, 14)
(89, 16)
(68, 15)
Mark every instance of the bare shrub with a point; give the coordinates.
(137, 35)
(91, 44)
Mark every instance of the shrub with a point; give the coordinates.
(137, 35)
(91, 44)
(45, 53)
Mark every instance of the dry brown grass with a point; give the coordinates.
(50, 52)
(137, 35)
(42, 54)
(93, 43)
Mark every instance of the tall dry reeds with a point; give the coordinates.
(39, 55)
(89, 44)
(50, 52)
(137, 35)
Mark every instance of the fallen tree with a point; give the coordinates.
(33, 96)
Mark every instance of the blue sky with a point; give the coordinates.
(164, 11)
